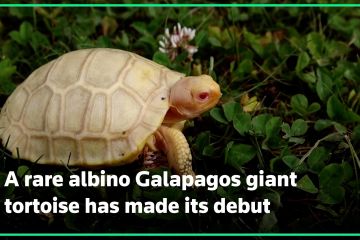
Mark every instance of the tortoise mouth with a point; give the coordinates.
(199, 105)
(193, 113)
(207, 101)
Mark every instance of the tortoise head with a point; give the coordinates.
(191, 96)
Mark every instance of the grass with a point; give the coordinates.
(291, 90)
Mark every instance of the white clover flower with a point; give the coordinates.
(172, 44)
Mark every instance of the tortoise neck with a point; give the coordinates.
(173, 116)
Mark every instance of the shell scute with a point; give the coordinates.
(106, 66)
(76, 102)
(93, 150)
(65, 148)
(39, 76)
(17, 103)
(125, 111)
(68, 69)
(39, 149)
(98, 113)
(143, 79)
(35, 110)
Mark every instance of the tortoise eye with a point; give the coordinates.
(203, 96)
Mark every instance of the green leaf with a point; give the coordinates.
(337, 22)
(276, 164)
(22, 170)
(336, 49)
(315, 44)
(218, 115)
(314, 107)
(148, 41)
(201, 38)
(101, 42)
(230, 193)
(181, 57)
(124, 40)
(324, 84)
(299, 127)
(355, 135)
(234, 14)
(306, 185)
(231, 109)
(273, 127)
(245, 67)
(202, 140)
(208, 151)
(162, 58)
(274, 197)
(327, 209)
(285, 127)
(339, 111)
(330, 179)
(272, 132)
(15, 35)
(317, 158)
(333, 195)
(242, 123)
(356, 37)
(308, 77)
(302, 62)
(258, 124)
(322, 124)
(299, 104)
(296, 140)
(340, 128)
(141, 28)
(227, 150)
(6, 72)
(330, 176)
(268, 222)
(291, 161)
(39, 40)
(26, 30)
(215, 42)
(351, 71)
(239, 154)
(21, 12)
(23, 36)
(254, 42)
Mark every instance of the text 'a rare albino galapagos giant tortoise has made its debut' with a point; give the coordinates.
(101, 107)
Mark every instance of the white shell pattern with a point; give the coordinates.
(91, 107)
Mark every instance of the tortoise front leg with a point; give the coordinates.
(177, 150)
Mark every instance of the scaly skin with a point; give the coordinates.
(189, 98)
(174, 144)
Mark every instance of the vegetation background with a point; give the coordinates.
(290, 79)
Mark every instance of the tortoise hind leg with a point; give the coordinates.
(177, 150)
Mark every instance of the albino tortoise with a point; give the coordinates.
(100, 107)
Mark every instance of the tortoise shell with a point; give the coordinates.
(91, 107)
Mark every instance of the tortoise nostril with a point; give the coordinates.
(203, 95)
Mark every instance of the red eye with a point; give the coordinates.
(203, 95)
